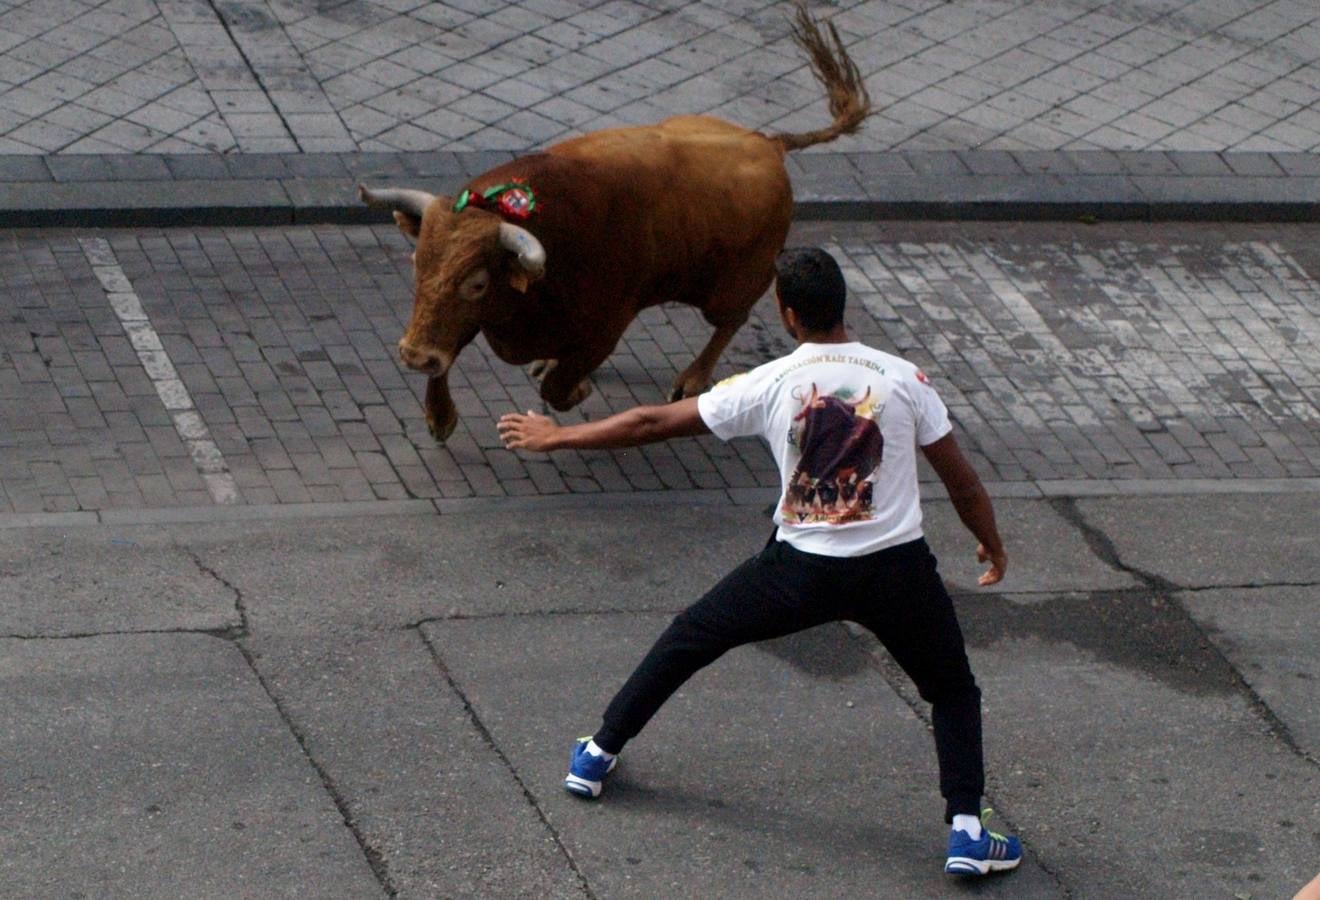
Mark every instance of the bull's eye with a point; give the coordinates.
(475, 285)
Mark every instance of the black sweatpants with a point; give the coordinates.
(896, 593)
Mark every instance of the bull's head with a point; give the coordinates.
(460, 262)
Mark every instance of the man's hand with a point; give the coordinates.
(998, 565)
(532, 431)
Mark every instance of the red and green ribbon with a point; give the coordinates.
(513, 199)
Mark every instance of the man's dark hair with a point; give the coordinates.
(811, 284)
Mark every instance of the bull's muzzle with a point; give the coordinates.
(423, 359)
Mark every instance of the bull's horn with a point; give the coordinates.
(530, 253)
(413, 203)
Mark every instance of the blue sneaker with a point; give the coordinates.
(586, 770)
(992, 853)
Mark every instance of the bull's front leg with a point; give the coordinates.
(441, 414)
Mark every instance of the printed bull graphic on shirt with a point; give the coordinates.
(841, 447)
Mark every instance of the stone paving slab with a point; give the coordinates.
(1046, 553)
(1101, 354)
(1267, 634)
(129, 586)
(751, 820)
(286, 189)
(1232, 543)
(160, 770)
(477, 565)
(439, 808)
(1142, 772)
(164, 76)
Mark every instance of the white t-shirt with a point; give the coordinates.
(844, 422)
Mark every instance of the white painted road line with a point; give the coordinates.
(155, 360)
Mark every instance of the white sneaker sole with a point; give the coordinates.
(965, 865)
(583, 788)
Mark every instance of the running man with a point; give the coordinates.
(843, 421)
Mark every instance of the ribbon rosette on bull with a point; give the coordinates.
(840, 448)
(513, 200)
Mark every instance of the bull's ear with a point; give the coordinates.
(519, 280)
(408, 224)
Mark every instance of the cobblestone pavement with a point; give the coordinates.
(144, 369)
(187, 76)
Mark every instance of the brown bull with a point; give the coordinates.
(692, 210)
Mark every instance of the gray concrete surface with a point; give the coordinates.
(1268, 635)
(1212, 540)
(155, 765)
(117, 584)
(420, 680)
(744, 781)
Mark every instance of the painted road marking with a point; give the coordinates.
(206, 456)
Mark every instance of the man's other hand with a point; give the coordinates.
(998, 564)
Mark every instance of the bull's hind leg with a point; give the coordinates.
(729, 298)
(696, 377)
(564, 383)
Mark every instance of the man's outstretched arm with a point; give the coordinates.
(639, 425)
(972, 502)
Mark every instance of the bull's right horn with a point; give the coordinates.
(413, 203)
(521, 242)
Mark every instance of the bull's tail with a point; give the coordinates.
(850, 103)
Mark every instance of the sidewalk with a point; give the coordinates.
(169, 112)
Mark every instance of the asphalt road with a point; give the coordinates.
(348, 707)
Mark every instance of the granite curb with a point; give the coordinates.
(310, 188)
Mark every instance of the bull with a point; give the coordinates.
(552, 255)
(839, 450)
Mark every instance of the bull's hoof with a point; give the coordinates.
(580, 393)
(687, 386)
(576, 396)
(442, 430)
(539, 367)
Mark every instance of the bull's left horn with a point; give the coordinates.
(530, 253)
(413, 203)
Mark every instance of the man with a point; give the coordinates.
(843, 421)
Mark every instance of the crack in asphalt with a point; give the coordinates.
(222, 633)
(503, 757)
(538, 613)
(1103, 547)
(241, 630)
(375, 859)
